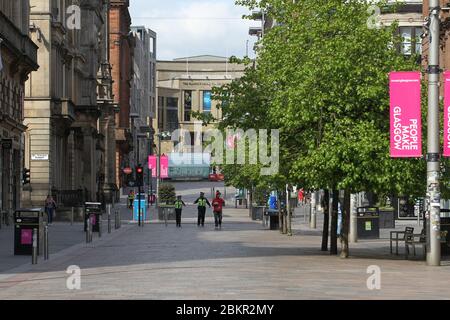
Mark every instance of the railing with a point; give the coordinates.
(70, 198)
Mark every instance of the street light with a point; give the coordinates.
(160, 135)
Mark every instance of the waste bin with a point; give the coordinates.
(94, 211)
(140, 198)
(274, 221)
(368, 223)
(445, 232)
(257, 212)
(25, 220)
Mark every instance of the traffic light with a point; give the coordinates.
(26, 176)
(139, 176)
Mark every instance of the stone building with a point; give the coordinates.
(184, 86)
(121, 63)
(143, 92)
(64, 142)
(18, 57)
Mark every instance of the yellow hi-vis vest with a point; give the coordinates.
(178, 204)
(202, 202)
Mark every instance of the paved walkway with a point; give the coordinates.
(243, 261)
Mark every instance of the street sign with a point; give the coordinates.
(127, 170)
(39, 157)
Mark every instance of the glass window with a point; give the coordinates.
(172, 114)
(411, 40)
(187, 105)
(206, 101)
(406, 33)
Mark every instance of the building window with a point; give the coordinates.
(411, 40)
(187, 105)
(172, 114)
(206, 101)
(161, 113)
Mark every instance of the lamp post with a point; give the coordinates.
(161, 135)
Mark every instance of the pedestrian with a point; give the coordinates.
(202, 202)
(178, 209)
(130, 199)
(50, 206)
(218, 203)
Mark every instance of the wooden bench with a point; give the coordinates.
(412, 239)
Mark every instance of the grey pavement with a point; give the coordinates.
(242, 261)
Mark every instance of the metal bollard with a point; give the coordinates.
(87, 230)
(71, 216)
(109, 218)
(100, 226)
(90, 230)
(120, 220)
(46, 251)
(34, 254)
(116, 220)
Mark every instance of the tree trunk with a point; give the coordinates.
(334, 221)
(289, 210)
(326, 219)
(345, 225)
(284, 212)
(280, 213)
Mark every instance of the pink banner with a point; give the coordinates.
(446, 114)
(406, 120)
(164, 165)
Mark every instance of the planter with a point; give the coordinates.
(257, 212)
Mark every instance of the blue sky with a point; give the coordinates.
(195, 27)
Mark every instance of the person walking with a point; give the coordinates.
(50, 206)
(202, 202)
(178, 209)
(218, 204)
(130, 199)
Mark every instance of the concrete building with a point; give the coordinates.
(143, 92)
(121, 63)
(64, 144)
(184, 86)
(18, 57)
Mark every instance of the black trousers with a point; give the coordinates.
(218, 218)
(178, 216)
(201, 216)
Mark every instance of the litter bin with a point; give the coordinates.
(25, 220)
(445, 232)
(93, 210)
(257, 212)
(274, 222)
(140, 197)
(368, 223)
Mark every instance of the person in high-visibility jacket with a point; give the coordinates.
(178, 209)
(202, 202)
(130, 199)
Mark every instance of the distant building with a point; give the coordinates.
(143, 92)
(18, 58)
(410, 26)
(184, 85)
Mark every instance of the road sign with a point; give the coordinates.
(127, 170)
